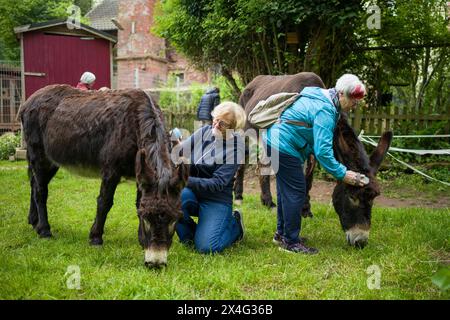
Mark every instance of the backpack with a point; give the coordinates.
(267, 112)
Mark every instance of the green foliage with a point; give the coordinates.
(8, 144)
(416, 75)
(423, 144)
(442, 279)
(249, 38)
(85, 5)
(226, 91)
(187, 99)
(17, 13)
(180, 99)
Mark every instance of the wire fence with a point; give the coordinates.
(10, 95)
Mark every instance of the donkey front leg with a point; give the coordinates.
(104, 203)
(239, 185)
(311, 163)
(264, 171)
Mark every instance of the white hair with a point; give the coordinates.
(351, 86)
(87, 78)
(232, 112)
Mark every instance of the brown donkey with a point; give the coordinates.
(110, 134)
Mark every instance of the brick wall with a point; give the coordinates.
(141, 56)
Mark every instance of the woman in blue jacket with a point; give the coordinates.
(215, 153)
(319, 109)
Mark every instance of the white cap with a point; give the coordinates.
(87, 78)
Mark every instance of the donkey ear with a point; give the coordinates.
(379, 153)
(183, 172)
(144, 173)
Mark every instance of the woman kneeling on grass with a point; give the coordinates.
(215, 153)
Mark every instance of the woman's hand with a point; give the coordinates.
(355, 178)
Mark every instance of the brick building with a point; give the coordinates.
(142, 60)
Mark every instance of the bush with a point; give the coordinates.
(8, 144)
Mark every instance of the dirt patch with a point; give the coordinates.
(322, 190)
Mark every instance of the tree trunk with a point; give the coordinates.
(236, 91)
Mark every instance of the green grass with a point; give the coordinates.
(408, 245)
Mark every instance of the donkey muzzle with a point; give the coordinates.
(155, 257)
(358, 236)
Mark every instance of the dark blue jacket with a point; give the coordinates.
(208, 102)
(213, 164)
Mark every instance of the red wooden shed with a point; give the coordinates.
(57, 52)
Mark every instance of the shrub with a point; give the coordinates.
(8, 144)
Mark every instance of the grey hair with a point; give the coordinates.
(349, 84)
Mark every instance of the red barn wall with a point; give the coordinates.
(63, 59)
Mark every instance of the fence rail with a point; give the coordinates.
(371, 123)
(10, 95)
(400, 120)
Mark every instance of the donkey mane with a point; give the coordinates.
(347, 147)
(154, 140)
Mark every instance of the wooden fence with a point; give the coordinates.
(373, 121)
(400, 120)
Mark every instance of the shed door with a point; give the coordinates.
(60, 59)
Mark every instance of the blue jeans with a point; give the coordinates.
(291, 193)
(216, 230)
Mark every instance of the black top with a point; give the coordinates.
(213, 164)
(207, 104)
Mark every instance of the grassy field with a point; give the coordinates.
(407, 247)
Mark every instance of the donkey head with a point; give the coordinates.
(354, 204)
(159, 208)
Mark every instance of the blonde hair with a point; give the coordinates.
(231, 112)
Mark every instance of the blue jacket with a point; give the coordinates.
(316, 110)
(208, 102)
(213, 164)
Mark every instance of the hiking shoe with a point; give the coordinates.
(238, 216)
(278, 239)
(297, 248)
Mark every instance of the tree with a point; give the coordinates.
(250, 37)
(85, 5)
(15, 13)
(412, 49)
(246, 38)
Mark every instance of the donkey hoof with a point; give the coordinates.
(96, 242)
(269, 205)
(307, 214)
(45, 234)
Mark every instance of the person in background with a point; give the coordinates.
(87, 81)
(207, 104)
